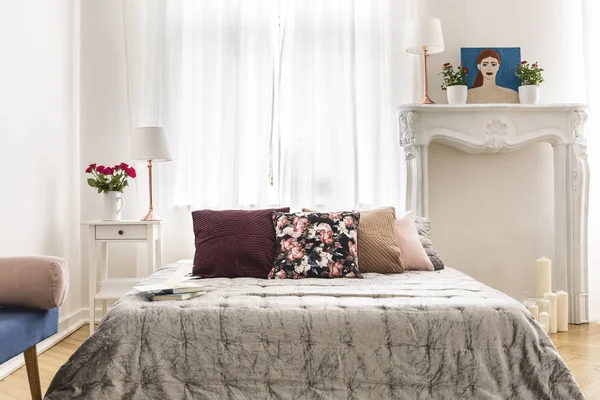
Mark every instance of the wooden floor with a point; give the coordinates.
(580, 348)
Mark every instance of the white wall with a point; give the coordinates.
(105, 138)
(543, 29)
(104, 120)
(39, 140)
(591, 11)
(492, 215)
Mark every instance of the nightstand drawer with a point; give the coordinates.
(120, 232)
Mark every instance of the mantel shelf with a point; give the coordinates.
(491, 128)
(489, 107)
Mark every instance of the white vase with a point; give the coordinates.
(113, 203)
(457, 94)
(529, 94)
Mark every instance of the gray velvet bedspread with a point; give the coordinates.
(416, 335)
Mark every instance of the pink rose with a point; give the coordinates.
(287, 244)
(352, 248)
(108, 171)
(335, 215)
(326, 237)
(348, 220)
(283, 221)
(335, 269)
(300, 223)
(281, 274)
(296, 252)
(350, 275)
(88, 170)
(131, 172)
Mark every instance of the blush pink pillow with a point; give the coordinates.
(412, 253)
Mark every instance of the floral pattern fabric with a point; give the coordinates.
(316, 245)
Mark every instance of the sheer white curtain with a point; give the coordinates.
(269, 101)
(204, 70)
(218, 100)
(338, 143)
(591, 38)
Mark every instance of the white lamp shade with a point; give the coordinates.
(149, 143)
(424, 32)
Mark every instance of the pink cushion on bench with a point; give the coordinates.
(36, 282)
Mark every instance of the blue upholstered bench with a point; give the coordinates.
(21, 329)
(31, 289)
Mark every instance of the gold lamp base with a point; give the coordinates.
(151, 216)
(427, 100)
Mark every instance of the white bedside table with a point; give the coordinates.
(104, 232)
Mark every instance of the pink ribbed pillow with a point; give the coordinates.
(412, 253)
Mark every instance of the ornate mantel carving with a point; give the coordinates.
(495, 133)
(580, 117)
(493, 128)
(408, 131)
(408, 127)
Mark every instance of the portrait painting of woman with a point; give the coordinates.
(490, 75)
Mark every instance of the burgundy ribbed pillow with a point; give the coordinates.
(234, 243)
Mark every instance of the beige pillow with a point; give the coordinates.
(412, 253)
(378, 249)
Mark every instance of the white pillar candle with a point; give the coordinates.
(543, 306)
(533, 309)
(544, 275)
(562, 301)
(553, 311)
(544, 319)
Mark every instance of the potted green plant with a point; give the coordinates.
(454, 82)
(530, 76)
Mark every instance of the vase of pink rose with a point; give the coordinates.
(110, 182)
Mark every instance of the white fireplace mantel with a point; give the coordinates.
(491, 128)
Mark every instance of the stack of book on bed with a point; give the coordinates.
(179, 292)
(168, 285)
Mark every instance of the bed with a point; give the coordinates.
(416, 335)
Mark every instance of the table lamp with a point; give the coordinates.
(424, 36)
(149, 144)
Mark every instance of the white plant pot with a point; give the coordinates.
(457, 94)
(529, 94)
(113, 203)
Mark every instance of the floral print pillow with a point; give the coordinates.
(315, 245)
